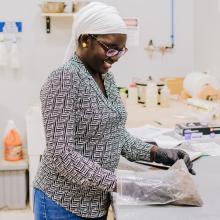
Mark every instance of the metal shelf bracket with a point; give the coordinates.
(47, 24)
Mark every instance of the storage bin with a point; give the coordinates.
(13, 184)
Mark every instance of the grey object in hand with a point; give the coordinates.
(170, 156)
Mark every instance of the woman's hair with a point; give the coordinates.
(95, 18)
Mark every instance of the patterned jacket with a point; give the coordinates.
(85, 136)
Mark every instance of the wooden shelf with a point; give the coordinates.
(58, 14)
(49, 15)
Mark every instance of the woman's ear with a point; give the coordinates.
(83, 40)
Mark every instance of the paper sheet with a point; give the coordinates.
(166, 141)
(207, 148)
(148, 131)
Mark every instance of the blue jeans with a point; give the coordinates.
(46, 209)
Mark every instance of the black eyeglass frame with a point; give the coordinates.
(110, 52)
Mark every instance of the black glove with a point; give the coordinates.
(170, 156)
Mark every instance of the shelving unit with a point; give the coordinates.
(49, 15)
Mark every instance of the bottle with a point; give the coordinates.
(165, 97)
(12, 143)
(159, 88)
(132, 94)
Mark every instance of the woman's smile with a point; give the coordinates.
(107, 65)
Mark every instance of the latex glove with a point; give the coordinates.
(170, 156)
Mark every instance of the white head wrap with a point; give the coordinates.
(95, 18)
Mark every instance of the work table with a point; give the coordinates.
(207, 168)
(208, 181)
(177, 112)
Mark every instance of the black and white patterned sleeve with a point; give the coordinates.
(134, 148)
(58, 96)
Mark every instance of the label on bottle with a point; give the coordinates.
(13, 153)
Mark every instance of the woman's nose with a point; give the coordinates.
(115, 58)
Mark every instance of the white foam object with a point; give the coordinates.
(205, 104)
(194, 82)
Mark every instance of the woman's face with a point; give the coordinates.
(97, 55)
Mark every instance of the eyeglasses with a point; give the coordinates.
(110, 52)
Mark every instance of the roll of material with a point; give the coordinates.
(195, 81)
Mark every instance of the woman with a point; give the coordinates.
(84, 122)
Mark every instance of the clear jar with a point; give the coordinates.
(151, 94)
(132, 94)
(165, 97)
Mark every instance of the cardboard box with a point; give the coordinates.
(195, 130)
(175, 84)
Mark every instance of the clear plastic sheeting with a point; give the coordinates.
(173, 186)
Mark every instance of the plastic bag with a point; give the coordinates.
(3, 51)
(173, 186)
(14, 56)
(12, 143)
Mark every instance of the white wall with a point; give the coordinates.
(41, 52)
(155, 24)
(207, 36)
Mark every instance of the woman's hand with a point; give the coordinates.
(170, 156)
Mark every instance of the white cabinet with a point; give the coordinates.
(36, 143)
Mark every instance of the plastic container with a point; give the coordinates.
(132, 94)
(13, 184)
(165, 96)
(12, 143)
(151, 94)
(141, 88)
